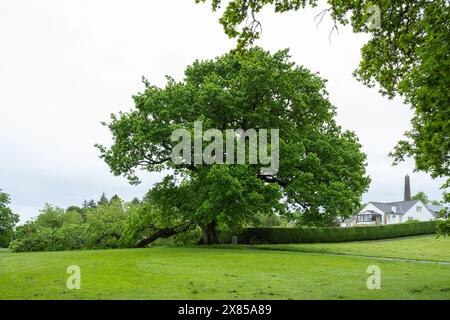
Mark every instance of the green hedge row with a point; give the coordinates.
(311, 235)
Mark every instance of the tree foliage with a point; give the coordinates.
(421, 196)
(8, 220)
(115, 224)
(443, 226)
(321, 171)
(408, 54)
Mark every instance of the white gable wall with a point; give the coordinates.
(420, 212)
(370, 207)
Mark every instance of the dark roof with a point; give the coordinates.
(401, 206)
(435, 210)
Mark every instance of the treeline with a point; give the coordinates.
(107, 224)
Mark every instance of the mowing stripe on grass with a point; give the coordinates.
(260, 247)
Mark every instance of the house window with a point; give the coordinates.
(410, 218)
(364, 218)
(367, 218)
(400, 218)
(419, 209)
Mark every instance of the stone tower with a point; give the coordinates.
(407, 189)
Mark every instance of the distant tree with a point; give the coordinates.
(115, 198)
(77, 212)
(103, 199)
(73, 217)
(8, 220)
(91, 204)
(50, 217)
(74, 208)
(422, 197)
(436, 202)
(135, 201)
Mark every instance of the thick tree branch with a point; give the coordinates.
(158, 233)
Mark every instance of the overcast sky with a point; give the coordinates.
(66, 65)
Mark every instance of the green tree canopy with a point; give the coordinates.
(8, 219)
(408, 54)
(422, 197)
(321, 170)
(103, 199)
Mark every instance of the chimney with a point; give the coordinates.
(407, 189)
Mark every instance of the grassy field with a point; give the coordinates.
(211, 273)
(416, 248)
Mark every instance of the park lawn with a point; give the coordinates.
(416, 248)
(208, 273)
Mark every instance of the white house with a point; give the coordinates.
(392, 212)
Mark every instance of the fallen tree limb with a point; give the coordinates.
(158, 233)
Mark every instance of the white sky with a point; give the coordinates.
(66, 65)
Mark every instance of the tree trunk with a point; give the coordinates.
(209, 233)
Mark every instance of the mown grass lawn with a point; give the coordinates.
(416, 248)
(209, 273)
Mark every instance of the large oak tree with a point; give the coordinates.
(321, 172)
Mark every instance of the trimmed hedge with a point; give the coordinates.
(312, 235)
